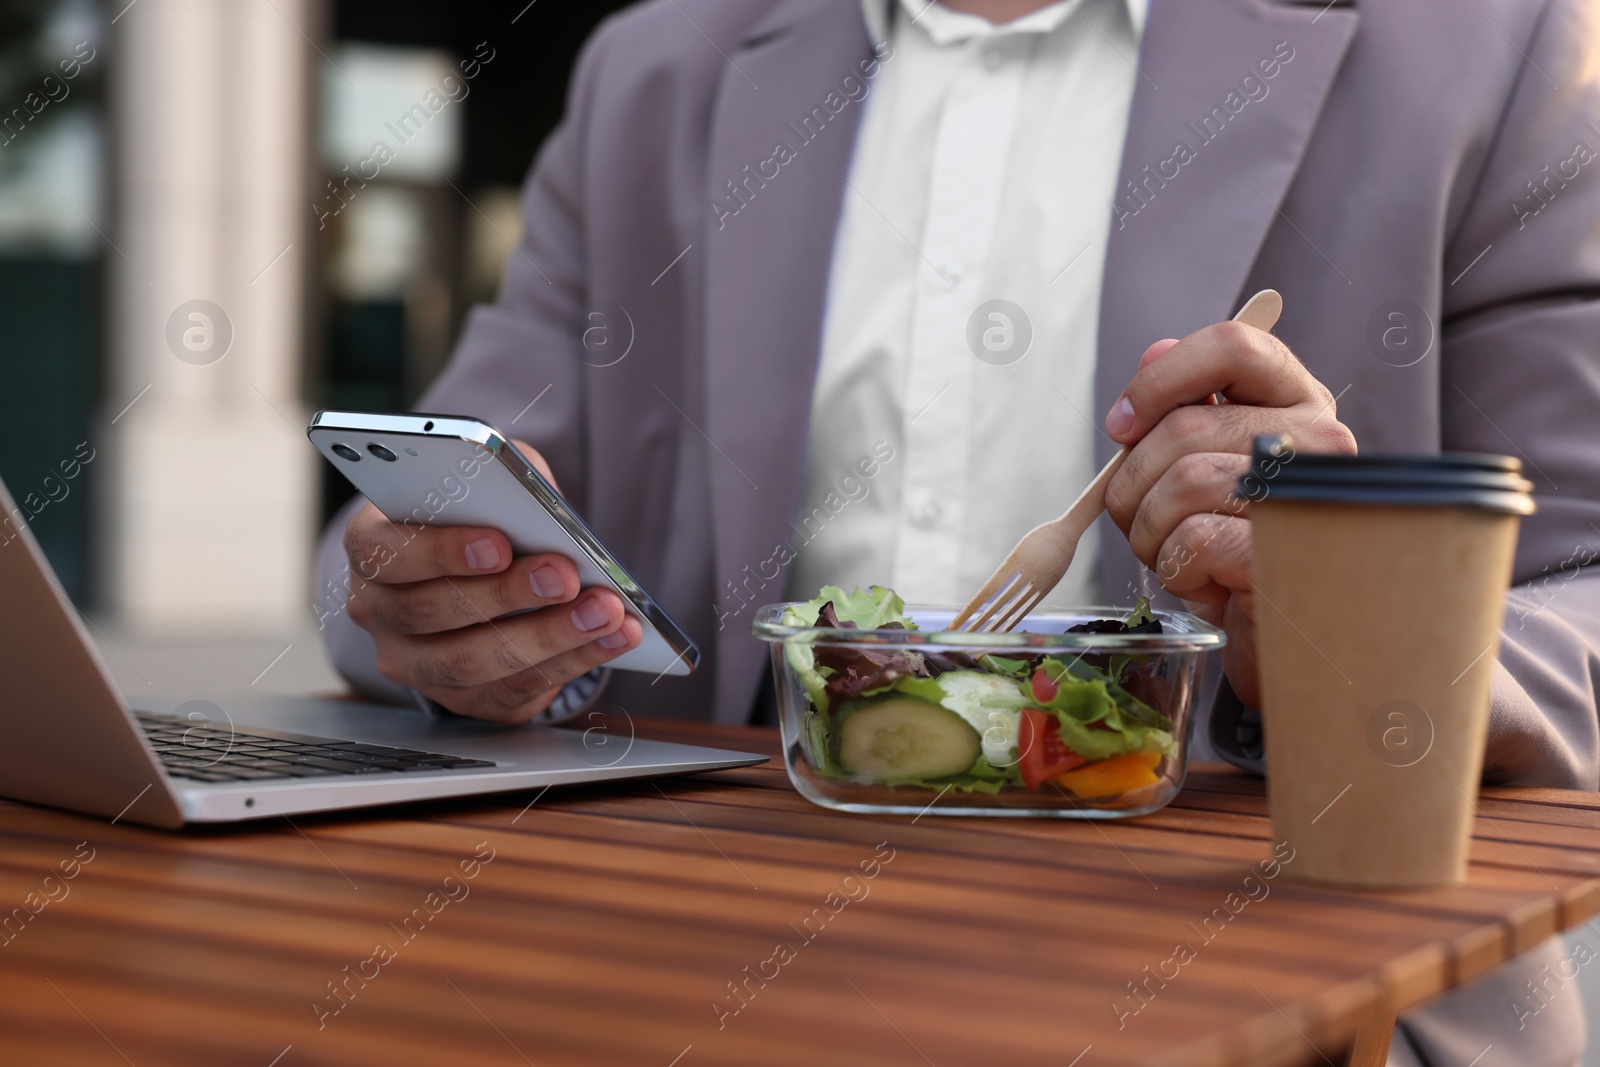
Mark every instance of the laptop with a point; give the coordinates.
(70, 739)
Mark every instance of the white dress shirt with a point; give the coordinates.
(984, 170)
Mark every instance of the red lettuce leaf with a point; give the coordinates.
(859, 668)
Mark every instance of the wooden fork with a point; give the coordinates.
(1043, 555)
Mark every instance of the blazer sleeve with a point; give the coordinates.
(517, 364)
(1519, 374)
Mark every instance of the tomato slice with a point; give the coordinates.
(1045, 687)
(1041, 755)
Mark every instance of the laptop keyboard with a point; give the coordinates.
(207, 752)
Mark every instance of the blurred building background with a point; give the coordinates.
(217, 216)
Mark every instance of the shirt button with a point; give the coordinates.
(950, 275)
(992, 57)
(926, 513)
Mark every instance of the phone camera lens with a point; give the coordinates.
(381, 452)
(344, 451)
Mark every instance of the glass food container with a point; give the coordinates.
(1036, 722)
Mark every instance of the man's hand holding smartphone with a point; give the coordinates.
(439, 613)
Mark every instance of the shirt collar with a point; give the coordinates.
(954, 25)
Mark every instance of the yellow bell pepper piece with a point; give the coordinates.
(1109, 777)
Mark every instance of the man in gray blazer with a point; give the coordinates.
(1414, 177)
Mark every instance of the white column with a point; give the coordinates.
(209, 507)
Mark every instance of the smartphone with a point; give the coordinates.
(447, 470)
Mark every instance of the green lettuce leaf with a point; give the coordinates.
(966, 692)
(816, 727)
(1130, 707)
(981, 777)
(1099, 719)
(1016, 668)
(1097, 744)
(803, 661)
(871, 609)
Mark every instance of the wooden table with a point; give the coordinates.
(611, 925)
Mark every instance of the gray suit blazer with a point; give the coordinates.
(1419, 158)
(1425, 158)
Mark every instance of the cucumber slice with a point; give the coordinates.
(902, 737)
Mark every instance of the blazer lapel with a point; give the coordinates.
(1206, 163)
(775, 183)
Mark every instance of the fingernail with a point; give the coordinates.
(546, 582)
(590, 615)
(482, 555)
(1120, 420)
(616, 640)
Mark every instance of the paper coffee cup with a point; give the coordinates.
(1379, 593)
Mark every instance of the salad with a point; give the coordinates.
(985, 723)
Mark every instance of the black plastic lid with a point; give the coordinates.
(1450, 479)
